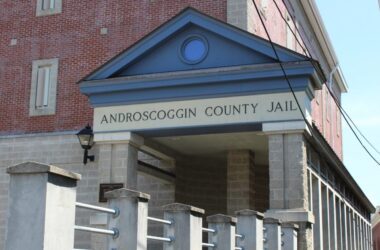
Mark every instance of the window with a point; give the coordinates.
(44, 87)
(48, 7)
(194, 49)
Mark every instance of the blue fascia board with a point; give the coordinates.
(170, 90)
(144, 83)
(189, 17)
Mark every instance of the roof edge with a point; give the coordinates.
(315, 19)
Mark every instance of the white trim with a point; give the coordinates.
(284, 127)
(119, 137)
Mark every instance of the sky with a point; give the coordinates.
(354, 29)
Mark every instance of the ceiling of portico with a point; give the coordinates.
(217, 145)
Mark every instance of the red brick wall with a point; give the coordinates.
(74, 37)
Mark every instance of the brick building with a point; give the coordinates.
(188, 103)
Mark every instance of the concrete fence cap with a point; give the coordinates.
(272, 221)
(290, 225)
(249, 212)
(221, 218)
(38, 168)
(126, 193)
(179, 207)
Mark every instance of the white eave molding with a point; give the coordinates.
(316, 22)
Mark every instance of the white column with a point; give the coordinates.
(225, 227)
(186, 229)
(290, 235)
(272, 234)
(325, 217)
(317, 210)
(41, 212)
(250, 225)
(132, 222)
(345, 229)
(339, 224)
(333, 226)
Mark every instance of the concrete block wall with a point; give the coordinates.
(201, 181)
(161, 193)
(261, 187)
(240, 180)
(63, 150)
(247, 183)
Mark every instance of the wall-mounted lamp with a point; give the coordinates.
(86, 140)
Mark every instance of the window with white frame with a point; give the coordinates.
(48, 7)
(43, 87)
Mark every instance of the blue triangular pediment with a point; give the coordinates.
(168, 49)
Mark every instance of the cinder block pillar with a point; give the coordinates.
(225, 227)
(41, 212)
(288, 199)
(272, 234)
(240, 181)
(117, 163)
(287, 171)
(250, 226)
(118, 156)
(289, 236)
(186, 230)
(132, 222)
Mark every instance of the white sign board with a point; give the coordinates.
(201, 112)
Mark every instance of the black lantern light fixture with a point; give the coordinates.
(86, 140)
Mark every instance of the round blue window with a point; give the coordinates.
(194, 50)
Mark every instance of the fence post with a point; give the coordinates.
(186, 230)
(272, 234)
(290, 236)
(250, 225)
(41, 210)
(225, 227)
(132, 221)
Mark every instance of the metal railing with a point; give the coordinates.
(158, 238)
(115, 212)
(114, 232)
(241, 237)
(209, 230)
(167, 222)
